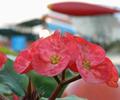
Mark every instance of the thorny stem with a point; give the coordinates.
(60, 86)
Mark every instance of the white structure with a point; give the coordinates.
(101, 28)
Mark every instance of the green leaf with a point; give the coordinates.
(17, 83)
(4, 89)
(67, 98)
(7, 51)
(71, 98)
(43, 84)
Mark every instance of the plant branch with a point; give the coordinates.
(60, 86)
(57, 79)
(55, 92)
(63, 75)
(71, 80)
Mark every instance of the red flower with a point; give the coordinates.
(34, 46)
(73, 50)
(23, 62)
(51, 58)
(90, 52)
(78, 46)
(3, 59)
(88, 56)
(104, 72)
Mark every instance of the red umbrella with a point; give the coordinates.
(81, 9)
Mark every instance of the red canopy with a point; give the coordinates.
(81, 9)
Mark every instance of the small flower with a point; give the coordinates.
(3, 59)
(90, 53)
(104, 72)
(50, 58)
(23, 62)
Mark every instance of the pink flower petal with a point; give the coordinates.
(89, 75)
(113, 75)
(3, 59)
(99, 73)
(73, 50)
(49, 47)
(89, 51)
(45, 68)
(22, 63)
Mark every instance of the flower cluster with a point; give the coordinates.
(52, 55)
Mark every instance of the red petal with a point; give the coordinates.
(91, 52)
(45, 68)
(35, 45)
(52, 45)
(72, 66)
(113, 76)
(15, 97)
(104, 72)
(73, 50)
(3, 59)
(91, 75)
(22, 63)
(95, 54)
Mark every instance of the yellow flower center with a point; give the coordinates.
(55, 59)
(86, 64)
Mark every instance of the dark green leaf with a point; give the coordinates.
(17, 83)
(4, 89)
(43, 84)
(71, 98)
(67, 98)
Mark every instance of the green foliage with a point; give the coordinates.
(67, 98)
(4, 89)
(15, 82)
(7, 51)
(43, 84)
(71, 98)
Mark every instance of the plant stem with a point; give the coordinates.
(71, 80)
(63, 75)
(55, 92)
(60, 86)
(57, 79)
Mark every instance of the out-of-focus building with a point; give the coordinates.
(104, 28)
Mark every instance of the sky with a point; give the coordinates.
(15, 11)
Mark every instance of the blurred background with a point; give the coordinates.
(24, 21)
